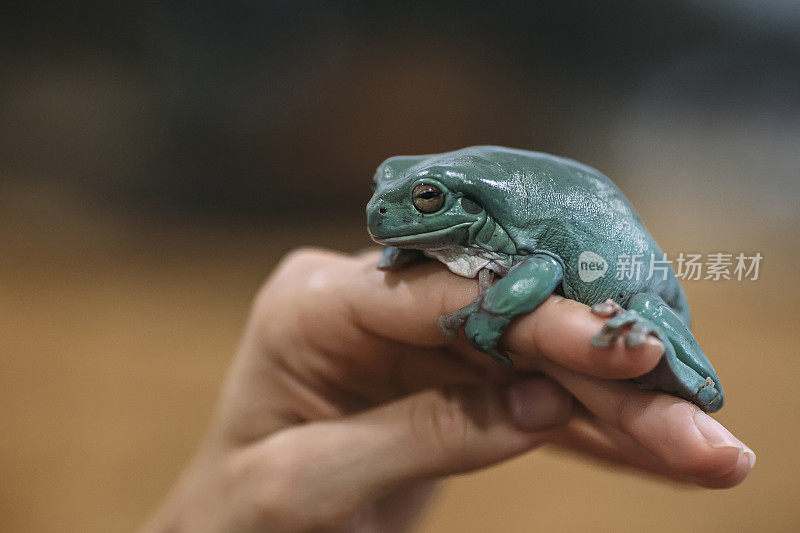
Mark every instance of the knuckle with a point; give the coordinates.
(287, 493)
(630, 408)
(306, 294)
(295, 265)
(298, 272)
(272, 479)
(301, 256)
(683, 409)
(636, 413)
(439, 423)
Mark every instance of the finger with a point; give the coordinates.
(604, 443)
(404, 306)
(430, 434)
(588, 436)
(562, 329)
(688, 441)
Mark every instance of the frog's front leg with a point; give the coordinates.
(450, 324)
(522, 290)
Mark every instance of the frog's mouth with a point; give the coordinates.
(456, 234)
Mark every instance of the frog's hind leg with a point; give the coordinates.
(684, 369)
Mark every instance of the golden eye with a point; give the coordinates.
(427, 198)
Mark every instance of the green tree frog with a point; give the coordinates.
(529, 224)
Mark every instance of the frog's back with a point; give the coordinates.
(575, 213)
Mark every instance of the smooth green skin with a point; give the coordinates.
(535, 214)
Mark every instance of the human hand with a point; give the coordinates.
(344, 404)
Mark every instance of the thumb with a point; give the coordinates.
(429, 434)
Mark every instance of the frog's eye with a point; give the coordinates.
(427, 198)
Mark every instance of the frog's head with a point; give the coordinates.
(418, 205)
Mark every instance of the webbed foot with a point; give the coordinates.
(450, 324)
(632, 324)
(484, 330)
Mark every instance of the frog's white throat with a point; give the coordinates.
(467, 261)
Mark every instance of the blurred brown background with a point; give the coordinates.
(157, 160)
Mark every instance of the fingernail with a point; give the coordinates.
(716, 434)
(537, 404)
(751, 456)
(652, 341)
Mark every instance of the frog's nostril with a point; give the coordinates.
(382, 210)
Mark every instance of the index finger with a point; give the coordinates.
(404, 306)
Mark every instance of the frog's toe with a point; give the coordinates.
(449, 325)
(484, 330)
(708, 397)
(613, 328)
(605, 337)
(637, 335)
(631, 324)
(607, 309)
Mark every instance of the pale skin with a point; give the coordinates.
(344, 404)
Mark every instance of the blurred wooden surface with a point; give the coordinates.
(115, 338)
